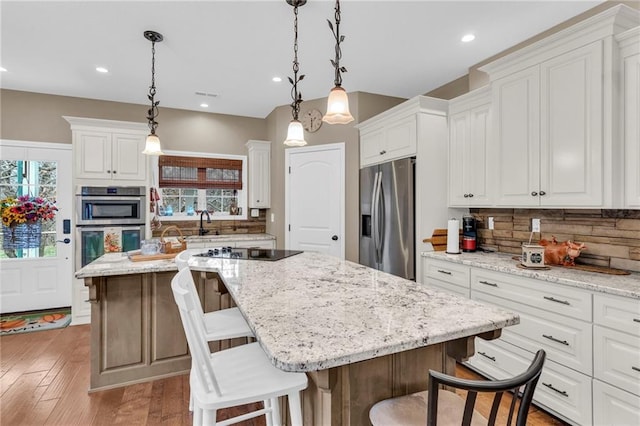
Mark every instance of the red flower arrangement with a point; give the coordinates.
(26, 209)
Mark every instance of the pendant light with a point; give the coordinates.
(152, 146)
(338, 101)
(295, 132)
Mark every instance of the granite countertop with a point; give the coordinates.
(312, 311)
(229, 237)
(119, 264)
(620, 285)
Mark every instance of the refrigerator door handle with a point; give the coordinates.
(381, 218)
(374, 216)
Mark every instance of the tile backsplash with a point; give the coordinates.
(252, 225)
(612, 237)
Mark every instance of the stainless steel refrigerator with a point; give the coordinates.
(387, 217)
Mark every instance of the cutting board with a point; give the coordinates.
(438, 240)
(145, 257)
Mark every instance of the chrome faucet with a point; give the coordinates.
(203, 231)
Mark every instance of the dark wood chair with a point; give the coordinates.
(443, 407)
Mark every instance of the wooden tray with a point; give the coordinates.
(145, 257)
(439, 239)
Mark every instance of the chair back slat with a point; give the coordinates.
(183, 286)
(512, 406)
(494, 408)
(468, 407)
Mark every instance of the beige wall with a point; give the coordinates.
(38, 117)
(362, 106)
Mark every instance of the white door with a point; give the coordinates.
(37, 278)
(314, 199)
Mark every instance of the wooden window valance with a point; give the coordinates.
(201, 173)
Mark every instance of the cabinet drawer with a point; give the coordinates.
(619, 313)
(452, 273)
(555, 298)
(617, 358)
(561, 390)
(448, 287)
(567, 341)
(612, 406)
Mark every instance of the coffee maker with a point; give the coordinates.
(469, 234)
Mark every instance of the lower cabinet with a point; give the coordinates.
(592, 341)
(612, 406)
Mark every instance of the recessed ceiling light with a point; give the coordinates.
(3, 69)
(467, 38)
(204, 105)
(102, 70)
(276, 79)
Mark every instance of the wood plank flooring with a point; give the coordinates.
(44, 378)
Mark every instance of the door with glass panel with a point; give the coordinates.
(36, 262)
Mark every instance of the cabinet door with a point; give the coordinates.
(129, 163)
(516, 127)
(93, 154)
(259, 177)
(400, 138)
(372, 147)
(612, 406)
(477, 176)
(458, 142)
(571, 141)
(631, 130)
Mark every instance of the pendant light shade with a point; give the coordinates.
(338, 102)
(152, 145)
(338, 107)
(295, 134)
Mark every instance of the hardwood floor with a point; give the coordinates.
(44, 378)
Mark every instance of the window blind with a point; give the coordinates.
(201, 173)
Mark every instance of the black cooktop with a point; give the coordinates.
(248, 253)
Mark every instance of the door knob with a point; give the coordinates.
(66, 241)
(334, 238)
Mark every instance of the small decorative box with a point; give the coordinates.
(532, 256)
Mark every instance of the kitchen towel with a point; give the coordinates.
(453, 235)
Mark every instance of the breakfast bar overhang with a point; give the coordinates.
(361, 335)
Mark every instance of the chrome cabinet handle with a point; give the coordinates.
(114, 172)
(466, 195)
(488, 283)
(553, 299)
(492, 358)
(383, 152)
(636, 320)
(550, 386)
(470, 195)
(108, 171)
(534, 194)
(635, 368)
(564, 342)
(444, 272)
(542, 193)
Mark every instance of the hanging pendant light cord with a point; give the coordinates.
(295, 95)
(153, 111)
(339, 39)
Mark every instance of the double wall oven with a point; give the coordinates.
(108, 219)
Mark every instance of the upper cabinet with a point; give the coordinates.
(469, 136)
(630, 69)
(390, 135)
(554, 109)
(259, 174)
(106, 150)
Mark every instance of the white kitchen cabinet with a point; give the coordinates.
(259, 174)
(630, 68)
(612, 406)
(555, 117)
(469, 136)
(106, 150)
(388, 137)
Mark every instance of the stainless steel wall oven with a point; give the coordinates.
(108, 219)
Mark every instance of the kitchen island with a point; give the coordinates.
(361, 335)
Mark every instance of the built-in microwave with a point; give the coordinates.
(110, 205)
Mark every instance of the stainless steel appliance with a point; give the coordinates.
(387, 223)
(108, 219)
(248, 253)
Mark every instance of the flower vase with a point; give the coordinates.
(22, 236)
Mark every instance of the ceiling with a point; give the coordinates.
(232, 49)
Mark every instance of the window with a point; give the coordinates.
(192, 182)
